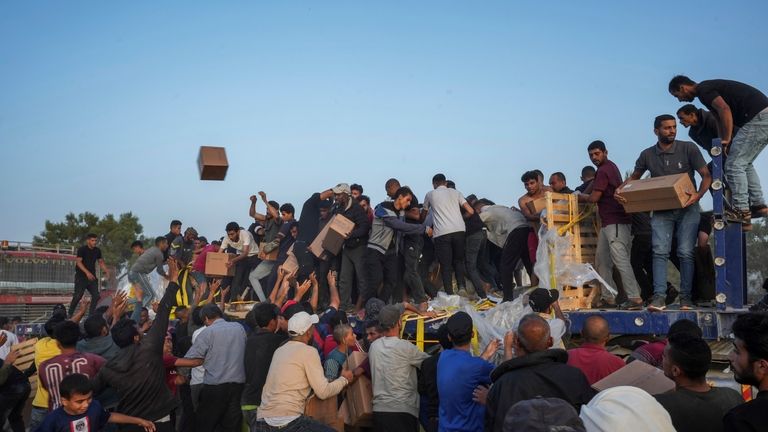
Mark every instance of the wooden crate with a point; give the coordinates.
(567, 216)
(25, 360)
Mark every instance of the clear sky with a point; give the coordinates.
(103, 105)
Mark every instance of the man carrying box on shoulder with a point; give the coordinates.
(667, 157)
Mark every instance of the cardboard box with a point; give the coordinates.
(325, 411)
(359, 400)
(291, 265)
(216, 264)
(272, 256)
(637, 374)
(212, 163)
(657, 193)
(331, 237)
(537, 205)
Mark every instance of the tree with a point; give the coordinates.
(757, 257)
(115, 235)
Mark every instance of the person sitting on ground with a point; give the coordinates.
(458, 412)
(296, 370)
(591, 357)
(652, 353)
(625, 408)
(80, 412)
(345, 340)
(532, 369)
(749, 362)
(694, 406)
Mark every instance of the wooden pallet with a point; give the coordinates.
(567, 216)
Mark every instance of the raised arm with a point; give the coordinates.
(724, 120)
(156, 336)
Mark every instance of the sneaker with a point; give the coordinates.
(631, 305)
(672, 293)
(605, 304)
(657, 304)
(686, 304)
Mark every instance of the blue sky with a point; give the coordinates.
(103, 106)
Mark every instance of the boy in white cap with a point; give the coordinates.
(294, 372)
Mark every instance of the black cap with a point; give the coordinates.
(541, 299)
(543, 415)
(459, 326)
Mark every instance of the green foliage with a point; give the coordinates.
(757, 255)
(115, 235)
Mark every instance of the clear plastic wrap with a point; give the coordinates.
(552, 262)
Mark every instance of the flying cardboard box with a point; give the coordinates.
(637, 374)
(657, 193)
(216, 264)
(331, 237)
(212, 163)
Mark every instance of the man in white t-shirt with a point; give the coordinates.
(448, 230)
(10, 340)
(247, 257)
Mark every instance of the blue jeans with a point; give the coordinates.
(739, 172)
(663, 225)
(142, 280)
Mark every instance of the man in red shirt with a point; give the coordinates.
(614, 241)
(69, 362)
(592, 357)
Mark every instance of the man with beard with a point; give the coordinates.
(670, 156)
(749, 361)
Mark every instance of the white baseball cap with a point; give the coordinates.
(301, 322)
(342, 188)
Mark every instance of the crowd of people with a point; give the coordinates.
(177, 360)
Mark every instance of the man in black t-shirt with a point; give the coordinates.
(85, 273)
(694, 405)
(259, 348)
(749, 361)
(739, 105)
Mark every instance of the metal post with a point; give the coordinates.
(730, 267)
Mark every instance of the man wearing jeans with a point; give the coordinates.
(739, 105)
(150, 260)
(614, 242)
(448, 230)
(669, 156)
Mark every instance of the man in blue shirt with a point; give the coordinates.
(221, 349)
(458, 374)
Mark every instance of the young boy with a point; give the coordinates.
(80, 413)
